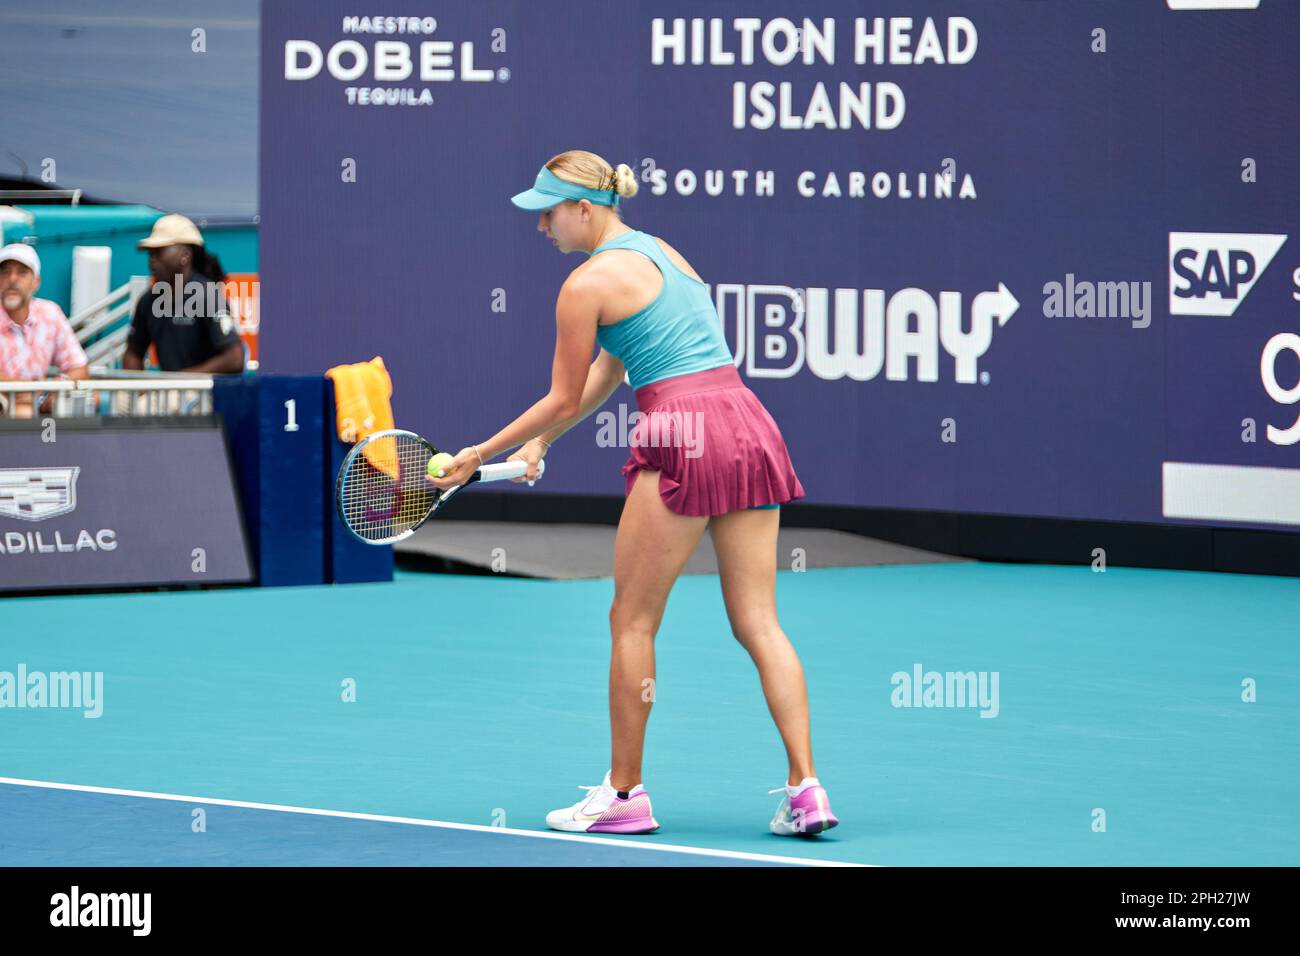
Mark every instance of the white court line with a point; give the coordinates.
(414, 821)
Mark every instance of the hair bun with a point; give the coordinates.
(624, 180)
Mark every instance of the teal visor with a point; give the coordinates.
(550, 189)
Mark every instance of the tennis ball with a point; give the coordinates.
(439, 463)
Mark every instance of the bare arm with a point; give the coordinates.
(576, 311)
(604, 377)
(132, 362)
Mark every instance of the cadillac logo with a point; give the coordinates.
(34, 494)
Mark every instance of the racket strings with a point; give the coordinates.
(384, 491)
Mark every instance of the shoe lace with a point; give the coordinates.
(597, 787)
(590, 792)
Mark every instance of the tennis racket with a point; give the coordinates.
(383, 493)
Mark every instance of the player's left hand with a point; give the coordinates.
(459, 471)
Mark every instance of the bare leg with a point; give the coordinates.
(746, 545)
(652, 545)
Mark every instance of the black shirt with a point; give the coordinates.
(188, 328)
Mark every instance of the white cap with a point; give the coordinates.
(23, 253)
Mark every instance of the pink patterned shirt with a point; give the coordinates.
(27, 350)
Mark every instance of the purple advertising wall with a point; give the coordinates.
(85, 504)
(1016, 257)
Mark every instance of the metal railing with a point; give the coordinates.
(89, 324)
(72, 195)
(111, 393)
(112, 309)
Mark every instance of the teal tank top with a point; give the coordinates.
(679, 332)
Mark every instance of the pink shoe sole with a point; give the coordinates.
(636, 825)
(814, 823)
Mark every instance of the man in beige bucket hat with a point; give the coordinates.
(185, 314)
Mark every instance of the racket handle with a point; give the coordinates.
(508, 469)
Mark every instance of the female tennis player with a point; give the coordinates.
(706, 454)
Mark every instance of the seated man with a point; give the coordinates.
(34, 333)
(185, 313)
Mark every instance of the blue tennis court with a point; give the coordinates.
(437, 726)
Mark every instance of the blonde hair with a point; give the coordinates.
(582, 168)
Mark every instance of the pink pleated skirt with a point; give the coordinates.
(716, 446)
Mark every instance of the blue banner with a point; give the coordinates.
(118, 502)
(1010, 257)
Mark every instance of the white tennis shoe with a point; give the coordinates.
(602, 810)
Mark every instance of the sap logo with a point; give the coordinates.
(1213, 4)
(858, 333)
(1210, 273)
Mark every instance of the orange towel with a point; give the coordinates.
(361, 400)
